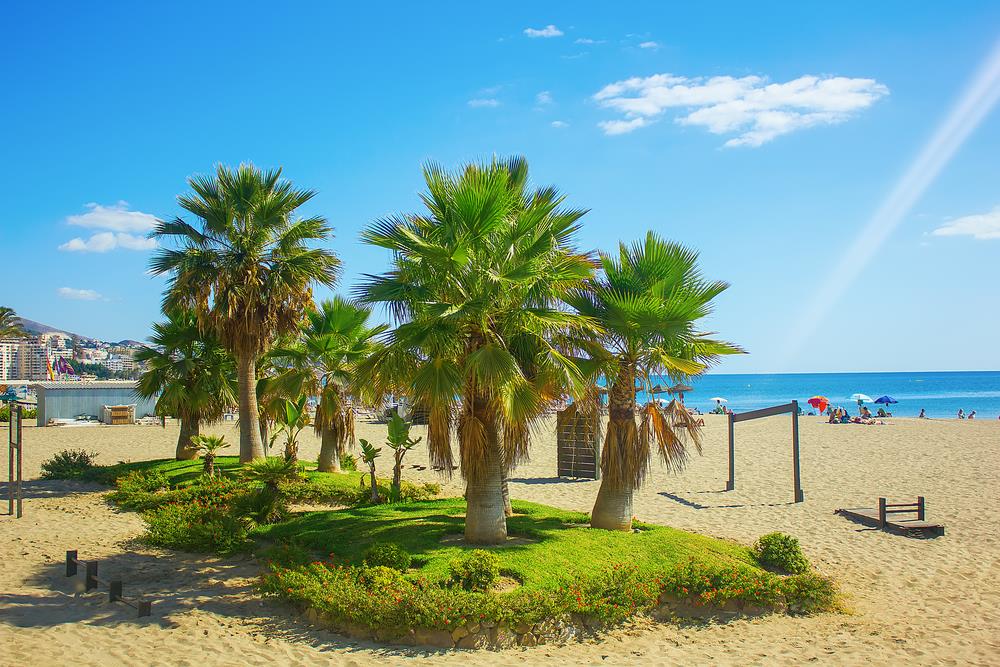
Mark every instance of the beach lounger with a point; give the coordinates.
(883, 517)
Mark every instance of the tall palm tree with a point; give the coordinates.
(648, 300)
(476, 285)
(193, 375)
(246, 268)
(10, 324)
(335, 338)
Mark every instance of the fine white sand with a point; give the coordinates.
(914, 601)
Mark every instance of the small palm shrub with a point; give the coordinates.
(268, 503)
(69, 464)
(348, 462)
(781, 551)
(368, 454)
(208, 446)
(477, 570)
(389, 555)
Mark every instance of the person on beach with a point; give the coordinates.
(961, 413)
(972, 415)
(922, 415)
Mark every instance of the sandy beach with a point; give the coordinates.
(913, 601)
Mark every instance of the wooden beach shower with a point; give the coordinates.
(578, 444)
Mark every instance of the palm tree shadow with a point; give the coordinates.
(698, 506)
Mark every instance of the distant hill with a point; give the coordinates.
(38, 328)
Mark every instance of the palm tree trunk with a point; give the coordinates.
(329, 451)
(250, 442)
(613, 507)
(505, 491)
(485, 520)
(190, 426)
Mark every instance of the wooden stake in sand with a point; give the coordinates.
(14, 467)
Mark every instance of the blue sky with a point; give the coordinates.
(766, 137)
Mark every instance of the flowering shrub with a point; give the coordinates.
(781, 551)
(195, 526)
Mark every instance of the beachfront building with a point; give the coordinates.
(68, 400)
(23, 359)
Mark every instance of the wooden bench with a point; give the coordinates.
(883, 517)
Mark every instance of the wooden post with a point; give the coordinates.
(920, 508)
(10, 461)
(144, 608)
(70, 563)
(19, 493)
(91, 579)
(797, 480)
(731, 483)
(115, 591)
(881, 513)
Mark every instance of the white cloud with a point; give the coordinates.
(122, 228)
(544, 97)
(750, 107)
(983, 226)
(587, 40)
(78, 294)
(117, 218)
(483, 102)
(105, 241)
(649, 45)
(548, 31)
(559, 124)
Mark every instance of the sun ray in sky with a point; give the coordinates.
(969, 110)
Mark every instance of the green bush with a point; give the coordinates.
(781, 551)
(477, 570)
(26, 413)
(262, 506)
(809, 593)
(388, 555)
(137, 490)
(195, 527)
(348, 462)
(69, 464)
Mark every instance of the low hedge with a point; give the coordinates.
(392, 604)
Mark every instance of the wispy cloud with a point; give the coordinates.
(483, 102)
(548, 31)
(544, 98)
(587, 40)
(123, 228)
(78, 294)
(649, 45)
(750, 107)
(982, 226)
(559, 124)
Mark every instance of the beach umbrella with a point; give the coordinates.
(658, 389)
(819, 402)
(886, 400)
(679, 388)
(861, 398)
(718, 399)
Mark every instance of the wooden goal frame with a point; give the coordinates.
(793, 408)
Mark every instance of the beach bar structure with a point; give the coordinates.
(68, 400)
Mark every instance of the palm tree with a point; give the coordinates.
(475, 285)
(10, 324)
(336, 337)
(648, 300)
(246, 269)
(190, 371)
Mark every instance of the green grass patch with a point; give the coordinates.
(548, 545)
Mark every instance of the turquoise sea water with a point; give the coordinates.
(941, 394)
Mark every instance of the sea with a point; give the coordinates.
(940, 394)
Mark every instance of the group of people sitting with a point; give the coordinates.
(840, 416)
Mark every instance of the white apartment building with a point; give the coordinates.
(23, 359)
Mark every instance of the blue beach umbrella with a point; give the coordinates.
(886, 400)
